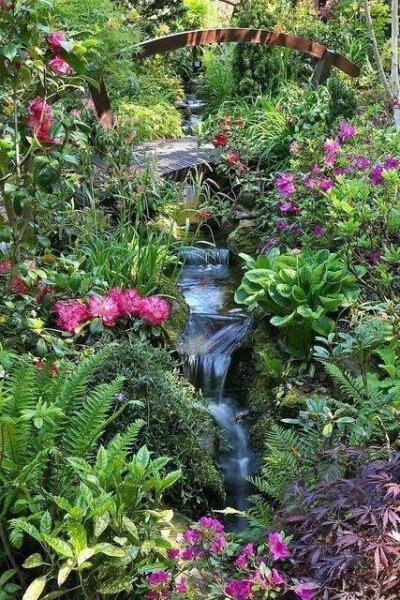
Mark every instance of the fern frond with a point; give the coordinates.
(123, 442)
(86, 426)
(348, 385)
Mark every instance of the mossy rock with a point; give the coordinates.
(244, 239)
(176, 324)
(293, 401)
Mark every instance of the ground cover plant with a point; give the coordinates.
(114, 475)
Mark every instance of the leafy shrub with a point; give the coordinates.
(144, 123)
(299, 290)
(342, 103)
(216, 84)
(175, 424)
(347, 530)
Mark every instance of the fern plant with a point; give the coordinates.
(46, 418)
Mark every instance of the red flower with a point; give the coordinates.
(54, 40)
(233, 159)
(18, 285)
(154, 310)
(40, 120)
(5, 266)
(60, 66)
(106, 308)
(220, 140)
(70, 314)
(204, 214)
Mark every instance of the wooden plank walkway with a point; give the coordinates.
(170, 156)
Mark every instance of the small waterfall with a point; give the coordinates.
(213, 334)
(205, 256)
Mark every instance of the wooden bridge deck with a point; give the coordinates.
(170, 156)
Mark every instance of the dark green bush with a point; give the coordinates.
(175, 421)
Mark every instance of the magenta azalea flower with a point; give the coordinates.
(362, 163)
(218, 545)
(248, 550)
(181, 587)
(239, 590)
(285, 184)
(191, 536)
(154, 310)
(278, 548)
(391, 163)
(18, 285)
(310, 183)
(276, 578)
(60, 66)
(54, 40)
(346, 131)
(105, 308)
(376, 176)
(159, 578)
(305, 591)
(241, 561)
(319, 231)
(70, 314)
(375, 257)
(128, 301)
(326, 184)
(282, 225)
(331, 148)
(173, 553)
(188, 554)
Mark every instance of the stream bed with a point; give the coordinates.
(214, 332)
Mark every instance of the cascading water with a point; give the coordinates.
(215, 330)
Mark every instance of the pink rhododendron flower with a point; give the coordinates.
(248, 550)
(310, 183)
(54, 40)
(70, 314)
(41, 118)
(285, 184)
(241, 561)
(346, 131)
(128, 301)
(154, 310)
(278, 548)
(188, 554)
(60, 66)
(305, 591)
(218, 545)
(105, 308)
(285, 207)
(5, 266)
(18, 285)
(191, 536)
(276, 578)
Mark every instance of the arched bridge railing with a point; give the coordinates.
(326, 59)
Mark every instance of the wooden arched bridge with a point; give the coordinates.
(325, 58)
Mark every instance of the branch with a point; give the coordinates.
(395, 62)
(377, 56)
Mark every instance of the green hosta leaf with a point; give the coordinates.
(35, 589)
(324, 325)
(299, 294)
(284, 290)
(259, 276)
(283, 321)
(34, 560)
(59, 545)
(288, 275)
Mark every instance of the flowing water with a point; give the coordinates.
(214, 332)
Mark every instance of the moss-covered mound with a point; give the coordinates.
(175, 420)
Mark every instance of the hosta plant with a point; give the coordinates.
(299, 291)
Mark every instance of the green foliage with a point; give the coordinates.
(199, 14)
(217, 84)
(343, 101)
(299, 290)
(176, 424)
(149, 123)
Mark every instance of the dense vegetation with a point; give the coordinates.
(108, 468)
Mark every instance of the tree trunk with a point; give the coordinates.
(395, 63)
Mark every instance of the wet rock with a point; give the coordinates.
(245, 238)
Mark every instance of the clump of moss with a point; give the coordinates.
(292, 402)
(244, 239)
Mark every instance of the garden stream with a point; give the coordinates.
(214, 332)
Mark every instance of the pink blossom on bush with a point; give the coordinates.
(105, 308)
(173, 553)
(18, 285)
(279, 549)
(154, 310)
(70, 314)
(159, 578)
(210, 523)
(41, 118)
(239, 590)
(218, 545)
(128, 301)
(4, 5)
(60, 66)
(326, 184)
(285, 184)
(5, 266)
(54, 40)
(319, 231)
(346, 131)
